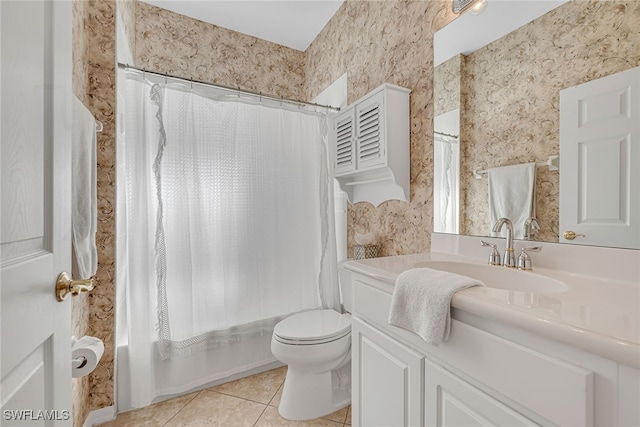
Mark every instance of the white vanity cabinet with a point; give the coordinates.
(452, 401)
(487, 373)
(371, 146)
(389, 386)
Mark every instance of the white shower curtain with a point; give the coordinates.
(446, 185)
(225, 218)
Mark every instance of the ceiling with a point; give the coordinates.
(291, 23)
(500, 18)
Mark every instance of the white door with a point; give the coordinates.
(600, 161)
(35, 152)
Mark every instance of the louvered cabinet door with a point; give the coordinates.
(370, 132)
(345, 155)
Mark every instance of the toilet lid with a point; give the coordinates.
(315, 325)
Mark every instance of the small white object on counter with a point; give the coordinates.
(365, 239)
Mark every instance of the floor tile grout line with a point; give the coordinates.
(261, 414)
(199, 393)
(237, 397)
(184, 406)
(275, 394)
(265, 406)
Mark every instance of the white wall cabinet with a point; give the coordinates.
(487, 373)
(345, 146)
(371, 146)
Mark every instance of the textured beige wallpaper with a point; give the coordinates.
(127, 12)
(100, 27)
(446, 85)
(377, 42)
(80, 304)
(177, 45)
(511, 96)
(93, 83)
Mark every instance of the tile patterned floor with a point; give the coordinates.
(251, 402)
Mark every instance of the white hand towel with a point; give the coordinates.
(84, 192)
(512, 196)
(421, 302)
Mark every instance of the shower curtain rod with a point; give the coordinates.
(445, 134)
(233, 89)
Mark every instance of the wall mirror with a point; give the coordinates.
(496, 99)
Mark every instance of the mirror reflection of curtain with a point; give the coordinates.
(446, 163)
(227, 221)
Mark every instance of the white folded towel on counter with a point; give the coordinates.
(84, 214)
(421, 302)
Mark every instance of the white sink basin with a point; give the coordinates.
(499, 277)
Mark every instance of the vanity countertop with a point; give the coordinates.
(595, 314)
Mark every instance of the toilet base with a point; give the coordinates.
(307, 396)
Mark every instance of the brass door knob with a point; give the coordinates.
(570, 235)
(66, 286)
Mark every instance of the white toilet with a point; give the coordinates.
(316, 346)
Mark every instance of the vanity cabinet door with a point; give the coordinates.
(387, 380)
(452, 402)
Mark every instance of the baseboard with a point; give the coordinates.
(100, 416)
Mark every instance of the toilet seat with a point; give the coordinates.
(313, 327)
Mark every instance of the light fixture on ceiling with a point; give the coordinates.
(477, 6)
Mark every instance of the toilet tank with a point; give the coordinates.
(346, 289)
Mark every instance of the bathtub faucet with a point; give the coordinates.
(509, 258)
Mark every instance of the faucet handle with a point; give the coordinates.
(524, 260)
(494, 256)
(531, 228)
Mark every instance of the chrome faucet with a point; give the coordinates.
(509, 258)
(524, 260)
(494, 256)
(531, 227)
